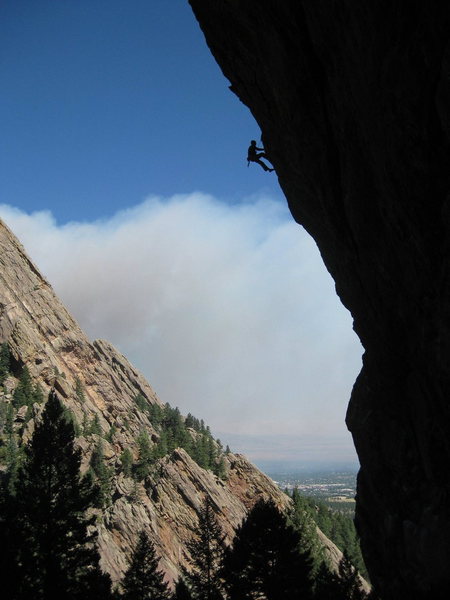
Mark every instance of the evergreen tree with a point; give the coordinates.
(161, 448)
(212, 452)
(126, 459)
(102, 475)
(142, 467)
(8, 423)
(206, 557)
(14, 457)
(220, 469)
(71, 418)
(339, 527)
(94, 426)
(190, 421)
(141, 403)
(156, 414)
(38, 395)
(182, 591)
(111, 433)
(326, 584)
(266, 560)
(23, 394)
(79, 390)
(85, 427)
(143, 580)
(51, 553)
(302, 521)
(5, 360)
(200, 451)
(349, 585)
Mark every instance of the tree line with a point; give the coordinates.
(174, 431)
(49, 541)
(47, 518)
(338, 527)
(269, 559)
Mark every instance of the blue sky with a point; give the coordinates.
(123, 171)
(106, 100)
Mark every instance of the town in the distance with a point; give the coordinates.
(336, 488)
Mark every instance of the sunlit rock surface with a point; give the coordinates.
(353, 101)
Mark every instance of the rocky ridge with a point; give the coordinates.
(44, 337)
(352, 99)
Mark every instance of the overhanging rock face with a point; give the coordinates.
(353, 102)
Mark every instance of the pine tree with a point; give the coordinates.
(79, 390)
(190, 421)
(71, 418)
(38, 394)
(349, 584)
(212, 452)
(326, 584)
(201, 451)
(142, 467)
(156, 414)
(23, 394)
(206, 557)
(182, 591)
(302, 521)
(5, 359)
(14, 458)
(126, 459)
(51, 553)
(220, 468)
(94, 426)
(161, 448)
(102, 475)
(143, 580)
(266, 560)
(111, 433)
(142, 403)
(8, 426)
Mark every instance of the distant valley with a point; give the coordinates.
(336, 488)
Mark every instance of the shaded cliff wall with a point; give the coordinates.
(353, 99)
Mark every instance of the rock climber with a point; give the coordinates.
(253, 156)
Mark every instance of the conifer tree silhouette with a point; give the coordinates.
(344, 585)
(326, 584)
(182, 591)
(5, 359)
(51, 552)
(143, 580)
(349, 584)
(207, 550)
(266, 560)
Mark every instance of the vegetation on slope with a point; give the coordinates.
(338, 527)
(174, 431)
(46, 515)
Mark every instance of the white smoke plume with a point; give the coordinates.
(227, 310)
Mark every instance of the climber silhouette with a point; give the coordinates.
(253, 156)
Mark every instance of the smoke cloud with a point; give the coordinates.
(226, 309)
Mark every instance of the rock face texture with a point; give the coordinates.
(353, 102)
(44, 337)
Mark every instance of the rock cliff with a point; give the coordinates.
(352, 99)
(93, 380)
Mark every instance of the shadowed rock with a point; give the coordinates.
(353, 102)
